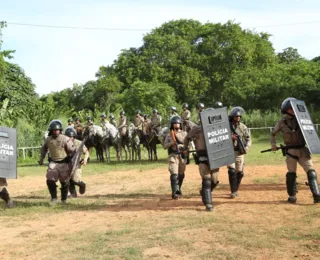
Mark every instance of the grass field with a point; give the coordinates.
(127, 213)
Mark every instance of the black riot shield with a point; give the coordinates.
(307, 128)
(8, 152)
(217, 135)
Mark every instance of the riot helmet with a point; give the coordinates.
(218, 104)
(89, 118)
(78, 119)
(138, 112)
(145, 116)
(103, 115)
(174, 109)
(175, 120)
(286, 104)
(155, 110)
(70, 120)
(201, 106)
(70, 131)
(55, 125)
(185, 105)
(236, 111)
(111, 116)
(122, 113)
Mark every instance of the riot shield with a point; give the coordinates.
(8, 152)
(218, 138)
(75, 161)
(307, 128)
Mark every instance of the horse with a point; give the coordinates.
(94, 139)
(111, 138)
(126, 141)
(154, 139)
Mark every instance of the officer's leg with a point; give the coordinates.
(206, 194)
(64, 180)
(52, 177)
(306, 162)
(239, 169)
(4, 192)
(214, 178)
(174, 181)
(233, 181)
(291, 176)
(77, 181)
(291, 186)
(313, 185)
(181, 175)
(72, 189)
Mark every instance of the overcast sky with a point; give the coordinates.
(57, 58)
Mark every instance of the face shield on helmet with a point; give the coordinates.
(286, 104)
(236, 111)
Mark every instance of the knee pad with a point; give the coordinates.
(312, 175)
(232, 171)
(206, 184)
(291, 183)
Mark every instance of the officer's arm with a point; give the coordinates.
(86, 154)
(188, 115)
(167, 142)
(44, 151)
(274, 133)
(247, 137)
(189, 137)
(69, 146)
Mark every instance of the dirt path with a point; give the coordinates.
(115, 198)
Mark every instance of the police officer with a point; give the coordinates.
(70, 122)
(173, 112)
(156, 121)
(201, 108)
(138, 122)
(4, 194)
(146, 124)
(103, 121)
(209, 177)
(79, 128)
(185, 116)
(298, 152)
(113, 120)
(177, 165)
(123, 124)
(59, 147)
(241, 142)
(76, 178)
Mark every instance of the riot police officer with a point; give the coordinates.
(79, 128)
(59, 147)
(103, 121)
(297, 152)
(201, 108)
(177, 164)
(76, 178)
(156, 121)
(138, 123)
(113, 120)
(241, 142)
(123, 124)
(185, 116)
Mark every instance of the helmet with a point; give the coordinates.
(70, 131)
(155, 110)
(89, 118)
(201, 105)
(175, 120)
(70, 120)
(286, 104)
(185, 105)
(145, 115)
(174, 109)
(122, 113)
(103, 115)
(111, 116)
(138, 111)
(236, 111)
(218, 104)
(77, 119)
(55, 125)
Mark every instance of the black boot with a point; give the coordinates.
(82, 187)
(180, 180)
(52, 187)
(72, 189)
(206, 194)
(313, 185)
(6, 197)
(64, 191)
(174, 185)
(291, 186)
(214, 185)
(239, 179)
(233, 181)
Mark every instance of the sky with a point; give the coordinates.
(55, 58)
